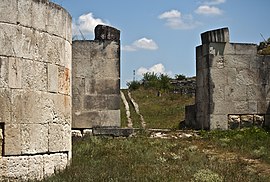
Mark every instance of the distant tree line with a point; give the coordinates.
(160, 82)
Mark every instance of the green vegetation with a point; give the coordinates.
(154, 81)
(250, 142)
(142, 158)
(264, 47)
(164, 111)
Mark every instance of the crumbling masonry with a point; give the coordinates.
(233, 84)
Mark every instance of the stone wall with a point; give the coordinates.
(35, 88)
(232, 79)
(96, 80)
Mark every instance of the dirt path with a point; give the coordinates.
(136, 107)
(130, 124)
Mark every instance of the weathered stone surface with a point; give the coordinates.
(15, 73)
(103, 32)
(34, 92)
(13, 139)
(34, 75)
(34, 138)
(7, 13)
(52, 78)
(96, 80)
(232, 79)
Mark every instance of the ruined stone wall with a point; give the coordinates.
(232, 79)
(96, 80)
(35, 89)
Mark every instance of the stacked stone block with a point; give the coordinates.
(232, 79)
(96, 80)
(35, 88)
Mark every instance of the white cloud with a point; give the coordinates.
(208, 10)
(158, 69)
(143, 43)
(170, 14)
(214, 2)
(86, 23)
(175, 20)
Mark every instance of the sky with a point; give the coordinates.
(161, 35)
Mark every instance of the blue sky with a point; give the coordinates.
(161, 35)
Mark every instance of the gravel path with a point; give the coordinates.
(130, 124)
(136, 107)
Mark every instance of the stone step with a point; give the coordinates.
(113, 131)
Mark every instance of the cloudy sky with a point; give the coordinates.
(161, 35)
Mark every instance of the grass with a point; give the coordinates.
(252, 142)
(166, 111)
(147, 159)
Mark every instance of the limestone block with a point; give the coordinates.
(25, 12)
(76, 133)
(67, 55)
(111, 50)
(239, 61)
(68, 29)
(5, 105)
(62, 109)
(102, 86)
(64, 80)
(90, 119)
(218, 77)
(218, 122)
(263, 107)
(59, 137)
(36, 166)
(8, 11)
(222, 107)
(252, 107)
(255, 93)
(7, 33)
(234, 121)
(49, 164)
(95, 102)
(199, 52)
(55, 21)
(109, 118)
(218, 62)
(246, 77)
(54, 49)
(218, 93)
(107, 68)
(17, 167)
(4, 67)
(15, 73)
(34, 138)
(202, 78)
(249, 49)
(235, 93)
(78, 92)
(39, 15)
(87, 132)
(241, 107)
(80, 50)
(232, 72)
(13, 143)
(113, 102)
(34, 75)
(52, 78)
(246, 121)
(259, 120)
(30, 107)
